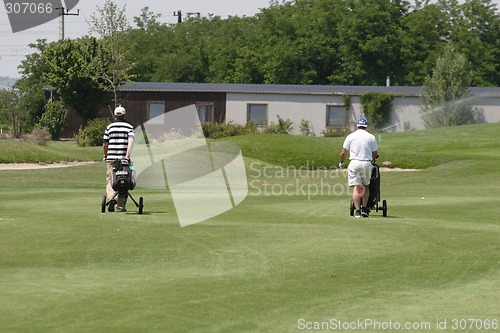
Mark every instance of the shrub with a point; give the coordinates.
(222, 130)
(54, 118)
(306, 128)
(377, 108)
(335, 132)
(282, 127)
(92, 134)
(40, 136)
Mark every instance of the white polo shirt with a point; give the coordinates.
(360, 144)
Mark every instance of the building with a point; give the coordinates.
(322, 106)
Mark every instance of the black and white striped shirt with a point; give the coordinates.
(117, 135)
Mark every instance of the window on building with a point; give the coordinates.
(155, 109)
(335, 115)
(205, 112)
(257, 114)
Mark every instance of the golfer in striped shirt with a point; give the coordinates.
(118, 142)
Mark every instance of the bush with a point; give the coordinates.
(377, 108)
(222, 130)
(335, 132)
(306, 128)
(92, 134)
(40, 136)
(54, 118)
(282, 127)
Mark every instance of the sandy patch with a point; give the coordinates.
(383, 169)
(36, 166)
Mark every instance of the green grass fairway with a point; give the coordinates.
(279, 262)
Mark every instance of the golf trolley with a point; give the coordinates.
(122, 182)
(374, 197)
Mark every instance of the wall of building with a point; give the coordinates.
(293, 107)
(296, 107)
(405, 115)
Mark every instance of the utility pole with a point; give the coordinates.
(62, 13)
(179, 16)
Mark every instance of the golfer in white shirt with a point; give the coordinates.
(362, 147)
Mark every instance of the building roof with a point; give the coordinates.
(288, 89)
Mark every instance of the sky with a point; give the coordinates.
(14, 46)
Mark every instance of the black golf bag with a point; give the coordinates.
(123, 177)
(123, 180)
(374, 197)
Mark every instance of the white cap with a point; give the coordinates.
(120, 111)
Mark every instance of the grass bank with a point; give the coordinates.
(278, 262)
(55, 151)
(415, 149)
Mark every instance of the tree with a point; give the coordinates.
(425, 25)
(230, 55)
(445, 94)
(13, 110)
(476, 35)
(146, 43)
(185, 60)
(32, 82)
(110, 24)
(370, 41)
(73, 68)
(349, 42)
(54, 118)
(298, 41)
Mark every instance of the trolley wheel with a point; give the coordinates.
(351, 208)
(141, 204)
(384, 208)
(103, 204)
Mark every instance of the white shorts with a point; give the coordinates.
(359, 172)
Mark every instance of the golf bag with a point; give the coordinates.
(123, 180)
(374, 196)
(123, 177)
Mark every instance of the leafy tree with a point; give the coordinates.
(425, 26)
(341, 42)
(476, 35)
(370, 41)
(150, 39)
(230, 50)
(54, 118)
(298, 41)
(13, 110)
(445, 94)
(74, 67)
(317, 42)
(186, 59)
(32, 82)
(110, 24)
